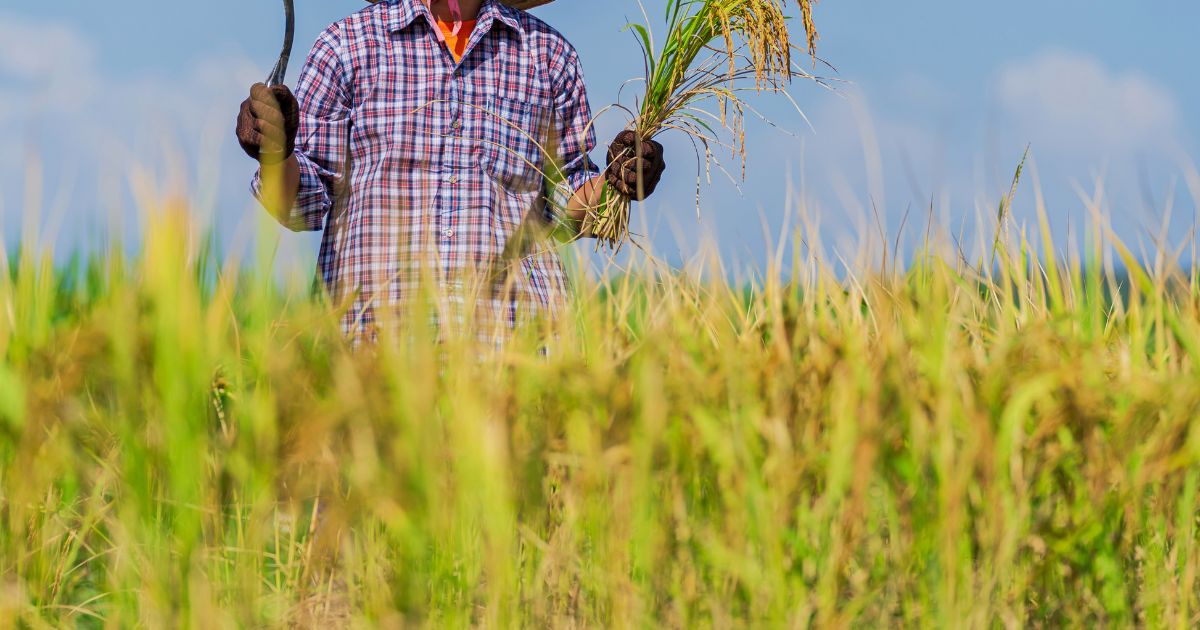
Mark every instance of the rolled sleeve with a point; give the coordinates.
(321, 144)
(573, 132)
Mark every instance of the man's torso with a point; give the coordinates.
(444, 159)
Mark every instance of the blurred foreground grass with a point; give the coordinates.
(931, 447)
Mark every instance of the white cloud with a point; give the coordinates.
(44, 65)
(1071, 103)
(47, 68)
(60, 106)
(29, 48)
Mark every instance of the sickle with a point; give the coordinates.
(289, 34)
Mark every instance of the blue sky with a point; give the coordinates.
(935, 104)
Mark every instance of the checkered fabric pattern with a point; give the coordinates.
(420, 167)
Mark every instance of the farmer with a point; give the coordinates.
(426, 132)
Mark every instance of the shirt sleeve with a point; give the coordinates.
(572, 132)
(321, 144)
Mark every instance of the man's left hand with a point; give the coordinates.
(635, 165)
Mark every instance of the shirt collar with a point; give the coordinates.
(402, 13)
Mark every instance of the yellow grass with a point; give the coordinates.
(954, 444)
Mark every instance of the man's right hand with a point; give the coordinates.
(268, 122)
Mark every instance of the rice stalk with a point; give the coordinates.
(910, 446)
(715, 52)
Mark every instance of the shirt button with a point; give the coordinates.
(453, 179)
(448, 233)
(456, 125)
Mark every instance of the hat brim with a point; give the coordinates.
(526, 4)
(516, 4)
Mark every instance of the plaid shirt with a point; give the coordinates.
(413, 163)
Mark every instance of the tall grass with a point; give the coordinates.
(956, 444)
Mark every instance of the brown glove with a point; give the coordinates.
(627, 157)
(268, 122)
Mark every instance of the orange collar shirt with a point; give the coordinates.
(412, 162)
(456, 36)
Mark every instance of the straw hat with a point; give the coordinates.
(518, 4)
(526, 4)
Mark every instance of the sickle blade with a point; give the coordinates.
(289, 34)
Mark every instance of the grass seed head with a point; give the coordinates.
(715, 50)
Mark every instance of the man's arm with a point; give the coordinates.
(573, 176)
(587, 197)
(279, 185)
(299, 191)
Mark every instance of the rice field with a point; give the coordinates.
(187, 442)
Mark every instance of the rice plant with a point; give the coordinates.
(185, 442)
(715, 52)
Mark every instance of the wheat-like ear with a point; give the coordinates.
(810, 27)
(715, 51)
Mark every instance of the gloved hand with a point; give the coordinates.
(268, 122)
(627, 157)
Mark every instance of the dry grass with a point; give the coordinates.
(953, 445)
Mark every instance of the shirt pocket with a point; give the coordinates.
(515, 139)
